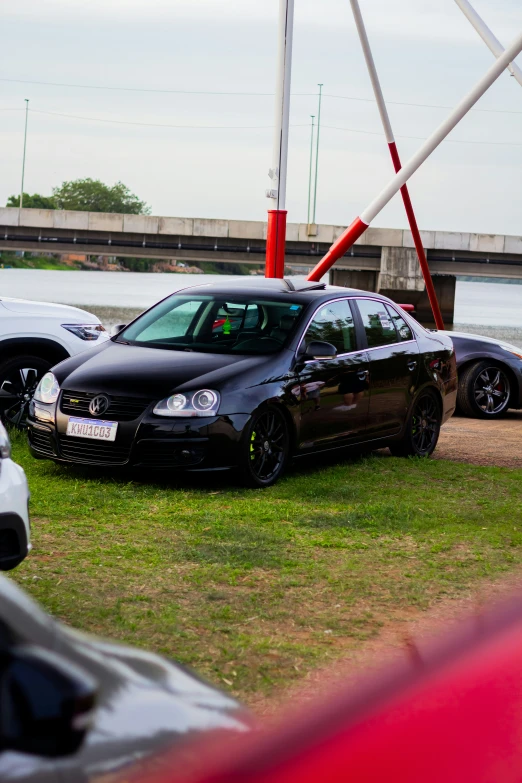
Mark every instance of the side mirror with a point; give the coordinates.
(46, 703)
(316, 349)
(116, 329)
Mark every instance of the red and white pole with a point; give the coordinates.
(276, 234)
(360, 224)
(385, 119)
(487, 36)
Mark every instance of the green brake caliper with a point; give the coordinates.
(252, 439)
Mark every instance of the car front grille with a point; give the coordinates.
(42, 441)
(92, 451)
(120, 408)
(169, 454)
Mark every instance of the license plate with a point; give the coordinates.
(96, 429)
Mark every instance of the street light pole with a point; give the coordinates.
(310, 169)
(25, 145)
(317, 149)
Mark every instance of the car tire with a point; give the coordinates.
(19, 377)
(265, 448)
(482, 386)
(422, 428)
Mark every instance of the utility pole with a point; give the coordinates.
(276, 233)
(25, 145)
(317, 150)
(310, 170)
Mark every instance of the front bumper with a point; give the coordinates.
(14, 515)
(148, 442)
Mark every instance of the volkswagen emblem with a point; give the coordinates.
(98, 405)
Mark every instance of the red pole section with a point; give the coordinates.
(421, 253)
(361, 223)
(388, 132)
(338, 249)
(275, 243)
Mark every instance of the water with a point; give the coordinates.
(493, 309)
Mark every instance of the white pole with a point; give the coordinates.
(360, 224)
(277, 193)
(372, 70)
(487, 36)
(442, 131)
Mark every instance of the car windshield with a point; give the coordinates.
(215, 323)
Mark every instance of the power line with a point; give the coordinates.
(253, 127)
(233, 93)
(136, 89)
(421, 105)
(152, 124)
(422, 138)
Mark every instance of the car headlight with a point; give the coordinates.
(5, 446)
(85, 331)
(204, 402)
(48, 389)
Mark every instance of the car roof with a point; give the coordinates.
(298, 291)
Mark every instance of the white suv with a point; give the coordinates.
(14, 514)
(34, 336)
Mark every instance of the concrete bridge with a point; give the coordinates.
(381, 260)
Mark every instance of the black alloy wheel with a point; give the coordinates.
(265, 448)
(484, 391)
(19, 378)
(422, 428)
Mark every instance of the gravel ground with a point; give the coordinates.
(482, 442)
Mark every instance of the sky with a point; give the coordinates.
(183, 62)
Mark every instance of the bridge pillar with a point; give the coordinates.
(400, 278)
(364, 279)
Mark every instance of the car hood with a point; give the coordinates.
(483, 339)
(145, 703)
(137, 371)
(48, 309)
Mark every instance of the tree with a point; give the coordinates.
(34, 201)
(91, 195)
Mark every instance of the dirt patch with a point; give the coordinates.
(482, 442)
(403, 633)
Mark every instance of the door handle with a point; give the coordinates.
(412, 365)
(362, 374)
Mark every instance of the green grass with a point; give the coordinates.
(27, 262)
(243, 584)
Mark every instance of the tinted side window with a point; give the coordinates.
(334, 324)
(403, 330)
(377, 323)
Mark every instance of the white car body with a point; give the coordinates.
(23, 319)
(15, 539)
(34, 336)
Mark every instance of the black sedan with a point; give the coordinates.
(75, 708)
(245, 377)
(490, 375)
